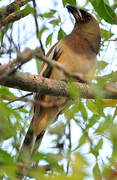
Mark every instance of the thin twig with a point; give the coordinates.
(113, 39)
(48, 104)
(37, 28)
(20, 107)
(22, 98)
(11, 41)
(70, 146)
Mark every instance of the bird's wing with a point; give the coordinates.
(54, 53)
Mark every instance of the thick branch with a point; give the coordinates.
(33, 83)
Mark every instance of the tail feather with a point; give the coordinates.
(31, 143)
(42, 117)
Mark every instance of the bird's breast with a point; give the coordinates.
(74, 62)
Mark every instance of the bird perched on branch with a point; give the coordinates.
(77, 53)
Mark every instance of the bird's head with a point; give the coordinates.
(83, 18)
(85, 24)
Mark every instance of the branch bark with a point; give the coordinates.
(33, 83)
(36, 83)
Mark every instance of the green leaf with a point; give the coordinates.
(73, 90)
(115, 114)
(48, 14)
(106, 35)
(11, 121)
(38, 65)
(5, 157)
(51, 159)
(28, 9)
(49, 39)
(93, 120)
(61, 34)
(104, 11)
(67, 114)
(75, 108)
(42, 31)
(92, 106)
(55, 22)
(65, 2)
(70, 112)
(99, 145)
(101, 65)
(99, 105)
(113, 76)
(83, 111)
(106, 2)
(22, 110)
(79, 165)
(96, 172)
(82, 141)
(104, 125)
(110, 102)
(5, 91)
(7, 165)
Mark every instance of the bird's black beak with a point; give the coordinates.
(76, 12)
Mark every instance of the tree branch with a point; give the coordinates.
(21, 59)
(5, 11)
(33, 83)
(36, 83)
(37, 28)
(13, 17)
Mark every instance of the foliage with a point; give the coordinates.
(94, 120)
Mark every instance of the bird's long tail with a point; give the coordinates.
(43, 116)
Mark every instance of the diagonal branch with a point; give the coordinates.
(13, 17)
(5, 11)
(21, 59)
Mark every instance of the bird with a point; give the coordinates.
(77, 53)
